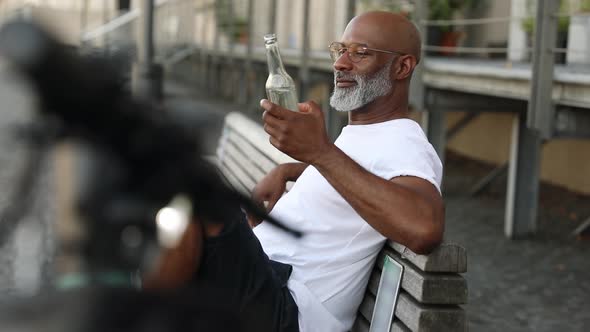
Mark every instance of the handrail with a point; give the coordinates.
(473, 21)
(480, 21)
(130, 16)
(485, 20)
(115, 23)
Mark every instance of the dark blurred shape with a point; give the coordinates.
(124, 4)
(138, 159)
(142, 156)
(100, 309)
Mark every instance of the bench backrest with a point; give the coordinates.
(432, 288)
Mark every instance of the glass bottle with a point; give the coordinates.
(280, 87)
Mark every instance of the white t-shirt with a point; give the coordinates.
(333, 260)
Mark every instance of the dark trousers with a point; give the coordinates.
(257, 286)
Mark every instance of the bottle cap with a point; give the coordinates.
(270, 38)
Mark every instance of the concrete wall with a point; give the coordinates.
(564, 162)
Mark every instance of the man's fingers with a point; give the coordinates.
(270, 119)
(271, 130)
(275, 142)
(309, 107)
(273, 109)
(278, 111)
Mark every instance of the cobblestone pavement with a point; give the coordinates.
(537, 284)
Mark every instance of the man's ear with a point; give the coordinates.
(405, 67)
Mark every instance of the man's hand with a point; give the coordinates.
(272, 186)
(269, 189)
(301, 135)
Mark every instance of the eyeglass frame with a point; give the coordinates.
(361, 57)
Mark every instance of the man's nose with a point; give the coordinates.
(343, 63)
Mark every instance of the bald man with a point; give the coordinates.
(380, 180)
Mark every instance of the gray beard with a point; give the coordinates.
(367, 89)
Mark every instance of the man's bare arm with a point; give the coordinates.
(273, 185)
(408, 210)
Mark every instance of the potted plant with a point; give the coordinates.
(404, 7)
(444, 10)
(233, 26)
(439, 10)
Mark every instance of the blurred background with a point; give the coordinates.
(507, 109)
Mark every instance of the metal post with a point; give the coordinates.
(146, 53)
(433, 119)
(541, 110)
(214, 68)
(417, 88)
(350, 10)
(203, 44)
(304, 68)
(147, 75)
(522, 192)
(217, 36)
(523, 173)
(83, 19)
(228, 87)
(272, 19)
(434, 124)
(245, 94)
(105, 20)
(124, 5)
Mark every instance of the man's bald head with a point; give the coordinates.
(386, 31)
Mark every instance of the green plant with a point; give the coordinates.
(231, 25)
(396, 6)
(444, 10)
(563, 22)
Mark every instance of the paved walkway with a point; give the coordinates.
(537, 284)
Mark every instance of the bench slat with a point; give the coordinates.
(360, 325)
(419, 317)
(366, 309)
(399, 327)
(258, 157)
(448, 257)
(239, 173)
(246, 165)
(252, 132)
(434, 288)
(231, 178)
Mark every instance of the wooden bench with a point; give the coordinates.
(432, 289)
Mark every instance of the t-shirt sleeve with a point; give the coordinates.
(409, 156)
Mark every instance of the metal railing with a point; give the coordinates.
(490, 20)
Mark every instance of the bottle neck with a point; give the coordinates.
(273, 56)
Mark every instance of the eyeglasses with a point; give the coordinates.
(356, 52)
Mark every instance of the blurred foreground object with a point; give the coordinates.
(137, 160)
